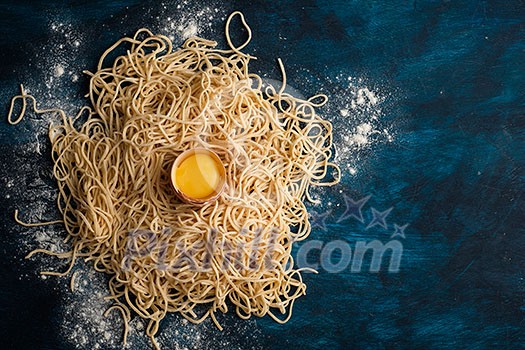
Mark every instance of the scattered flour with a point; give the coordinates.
(358, 108)
(66, 42)
(187, 19)
(360, 112)
(357, 112)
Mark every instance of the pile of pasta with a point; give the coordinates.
(120, 210)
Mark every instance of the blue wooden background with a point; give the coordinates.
(455, 170)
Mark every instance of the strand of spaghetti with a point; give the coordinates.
(36, 224)
(65, 255)
(72, 281)
(151, 329)
(214, 319)
(68, 270)
(125, 317)
(23, 96)
(12, 106)
(237, 49)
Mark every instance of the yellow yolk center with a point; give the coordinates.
(198, 176)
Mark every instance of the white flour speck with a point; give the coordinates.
(364, 95)
(189, 31)
(59, 71)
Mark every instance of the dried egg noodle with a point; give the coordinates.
(121, 213)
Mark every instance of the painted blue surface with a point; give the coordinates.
(455, 171)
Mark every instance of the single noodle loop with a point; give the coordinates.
(121, 213)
